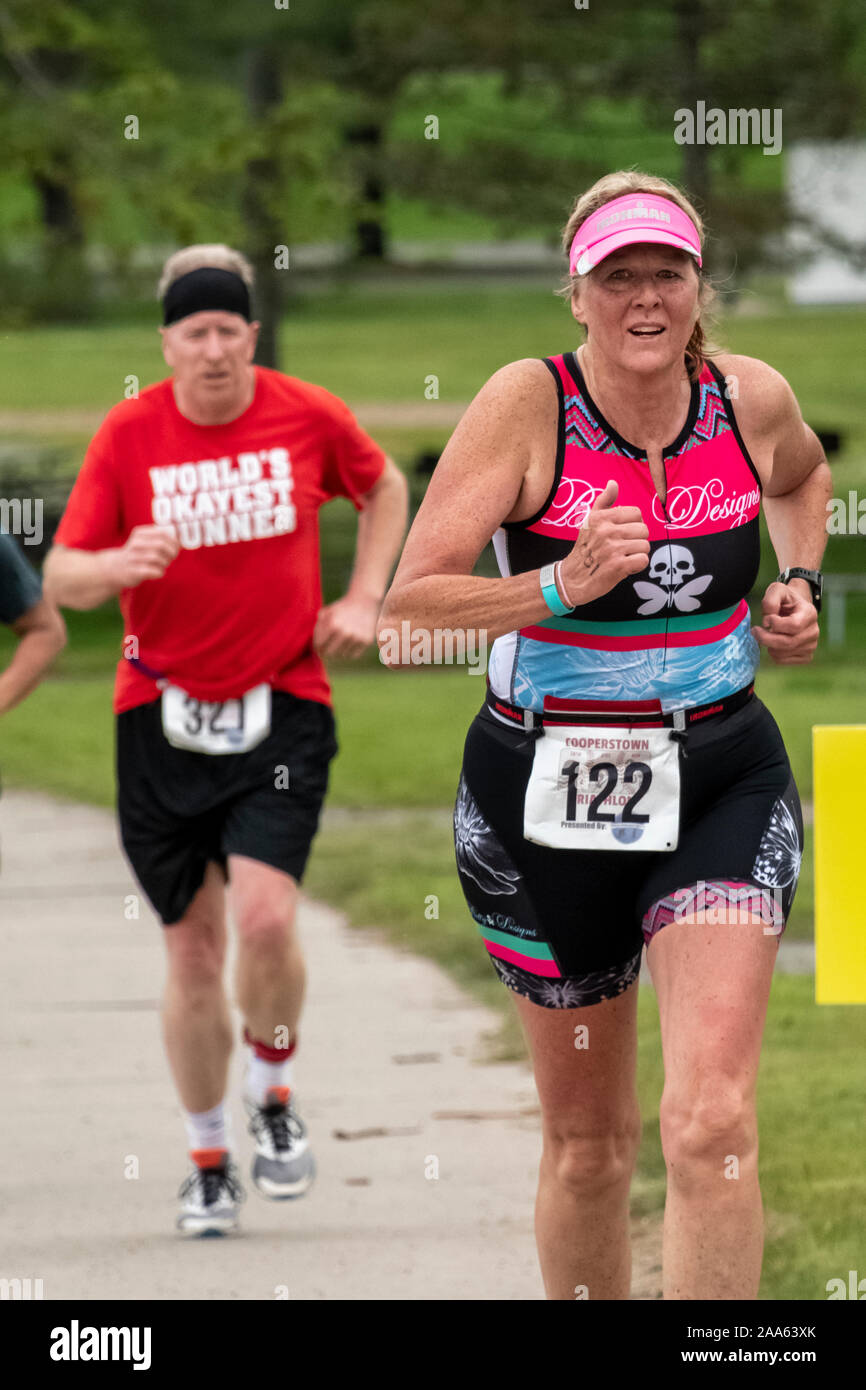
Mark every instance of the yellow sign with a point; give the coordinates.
(839, 757)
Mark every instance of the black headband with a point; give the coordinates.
(206, 288)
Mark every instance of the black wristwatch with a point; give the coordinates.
(814, 578)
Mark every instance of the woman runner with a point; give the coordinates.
(622, 785)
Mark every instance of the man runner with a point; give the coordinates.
(197, 503)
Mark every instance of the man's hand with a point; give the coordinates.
(146, 554)
(790, 627)
(613, 543)
(346, 628)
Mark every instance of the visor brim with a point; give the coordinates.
(631, 236)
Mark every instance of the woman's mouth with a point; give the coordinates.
(646, 331)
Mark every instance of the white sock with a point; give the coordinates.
(207, 1129)
(263, 1076)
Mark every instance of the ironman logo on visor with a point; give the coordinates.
(624, 221)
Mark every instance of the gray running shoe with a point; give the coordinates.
(211, 1197)
(283, 1166)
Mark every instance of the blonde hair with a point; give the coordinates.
(217, 256)
(617, 185)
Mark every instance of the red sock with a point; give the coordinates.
(270, 1054)
(269, 1071)
(208, 1158)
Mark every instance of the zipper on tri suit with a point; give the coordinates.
(668, 543)
(679, 732)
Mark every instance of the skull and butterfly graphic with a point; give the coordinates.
(673, 581)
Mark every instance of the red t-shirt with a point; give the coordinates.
(239, 603)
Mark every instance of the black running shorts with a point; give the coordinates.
(566, 927)
(179, 809)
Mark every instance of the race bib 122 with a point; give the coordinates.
(594, 787)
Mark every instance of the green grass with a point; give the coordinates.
(384, 854)
(810, 1092)
(391, 866)
(810, 347)
(361, 342)
(402, 732)
(378, 342)
(810, 1101)
(811, 1098)
(401, 736)
(61, 741)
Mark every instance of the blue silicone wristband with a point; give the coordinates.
(550, 593)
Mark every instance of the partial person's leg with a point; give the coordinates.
(270, 974)
(559, 928)
(266, 840)
(270, 990)
(712, 983)
(196, 1023)
(585, 1062)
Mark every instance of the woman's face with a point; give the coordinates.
(639, 306)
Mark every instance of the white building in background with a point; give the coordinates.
(826, 180)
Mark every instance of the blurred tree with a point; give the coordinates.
(174, 118)
(362, 51)
(57, 64)
(244, 108)
(94, 121)
(639, 63)
(277, 134)
(371, 48)
(264, 90)
(804, 60)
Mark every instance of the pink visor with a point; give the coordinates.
(624, 221)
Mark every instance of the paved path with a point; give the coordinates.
(388, 1049)
(92, 1147)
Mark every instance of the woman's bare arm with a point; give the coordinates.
(796, 487)
(498, 467)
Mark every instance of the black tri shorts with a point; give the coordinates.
(566, 927)
(180, 809)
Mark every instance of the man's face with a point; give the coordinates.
(209, 352)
